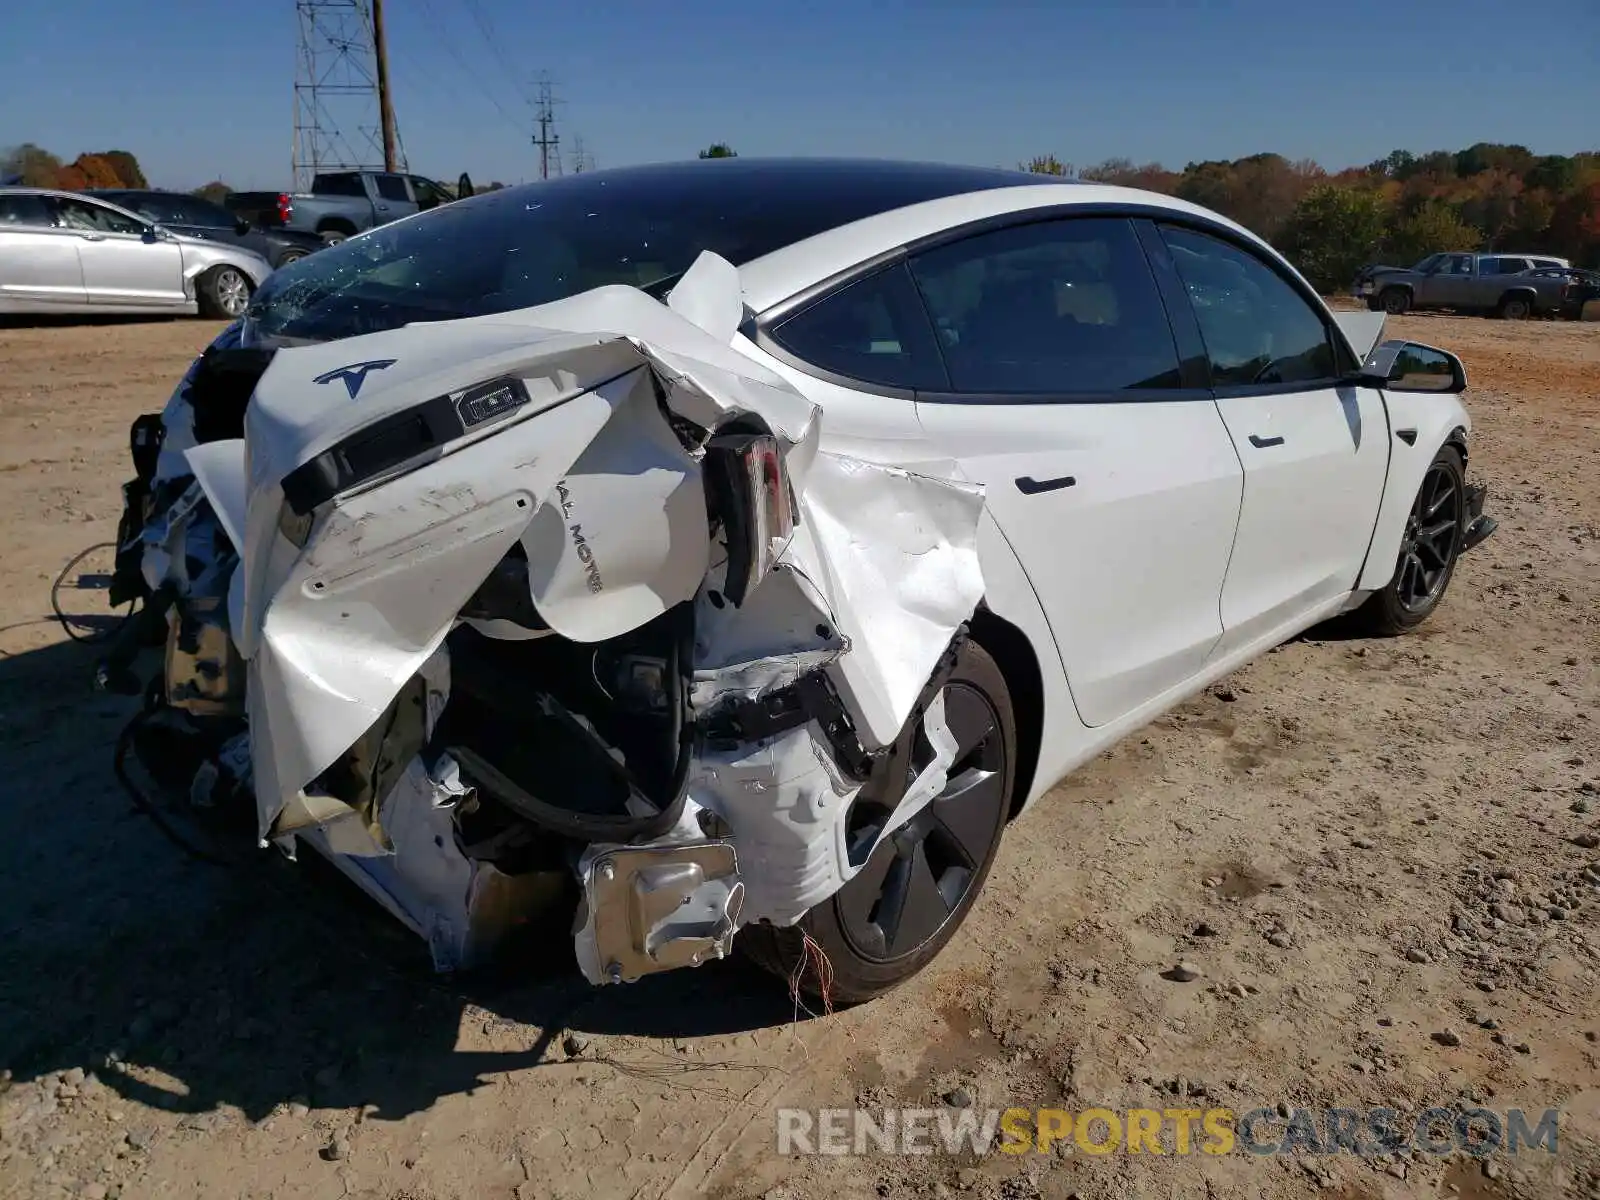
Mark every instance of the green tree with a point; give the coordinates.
(719, 150)
(1431, 228)
(34, 166)
(216, 191)
(1047, 164)
(1333, 231)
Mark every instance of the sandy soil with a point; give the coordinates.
(1340, 818)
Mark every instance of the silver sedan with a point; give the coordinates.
(65, 253)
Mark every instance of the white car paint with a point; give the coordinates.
(1181, 549)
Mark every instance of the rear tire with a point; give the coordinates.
(1515, 308)
(332, 237)
(1429, 550)
(919, 884)
(1395, 301)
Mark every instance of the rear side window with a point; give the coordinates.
(873, 331)
(1054, 307)
(1258, 329)
(23, 209)
(339, 183)
(392, 187)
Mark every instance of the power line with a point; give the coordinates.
(492, 40)
(477, 78)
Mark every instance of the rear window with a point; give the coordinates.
(529, 245)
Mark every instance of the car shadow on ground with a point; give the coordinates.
(187, 986)
(67, 320)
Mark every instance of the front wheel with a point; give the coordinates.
(1429, 548)
(1395, 301)
(918, 884)
(223, 292)
(289, 256)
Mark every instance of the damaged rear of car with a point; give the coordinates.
(464, 597)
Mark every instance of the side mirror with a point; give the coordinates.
(156, 233)
(463, 186)
(241, 226)
(1412, 367)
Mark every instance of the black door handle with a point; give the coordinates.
(1261, 443)
(1029, 486)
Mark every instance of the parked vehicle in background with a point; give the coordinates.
(1579, 289)
(1486, 283)
(61, 252)
(193, 216)
(341, 204)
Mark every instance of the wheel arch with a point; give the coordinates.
(342, 225)
(1437, 421)
(1531, 295)
(1013, 654)
(1011, 625)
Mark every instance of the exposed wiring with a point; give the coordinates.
(98, 635)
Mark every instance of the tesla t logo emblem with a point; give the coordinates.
(356, 374)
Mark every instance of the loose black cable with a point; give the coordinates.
(98, 635)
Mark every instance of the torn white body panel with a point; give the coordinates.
(594, 473)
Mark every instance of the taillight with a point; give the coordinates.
(751, 492)
(285, 207)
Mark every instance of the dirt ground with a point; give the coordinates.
(1380, 856)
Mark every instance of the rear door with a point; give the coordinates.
(1105, 461)
(123, 261)
(38, 261)
(1315, 449)
(391, 197)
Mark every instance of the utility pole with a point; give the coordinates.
(547, 140)
(380, 50)
(343, 112)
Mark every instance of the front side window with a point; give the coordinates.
(1054, 307)
(94, 218)
(1458, 264)
(429, 194)
(1258, 329)
(873, 331)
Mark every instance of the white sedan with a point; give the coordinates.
(748, 542)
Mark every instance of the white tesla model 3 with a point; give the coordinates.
(747, 542)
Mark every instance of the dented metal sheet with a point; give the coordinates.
(578, 441)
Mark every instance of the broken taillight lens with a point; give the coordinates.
(751, 493)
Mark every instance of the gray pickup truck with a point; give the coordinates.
(1506, 284)
(341, 204)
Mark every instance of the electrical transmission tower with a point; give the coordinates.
(343, 115)
(548, 141)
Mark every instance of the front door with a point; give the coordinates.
(38, 262)
(1315, 449)
(123, 261)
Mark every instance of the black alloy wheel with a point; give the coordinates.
(916, 884)
(1429, 549)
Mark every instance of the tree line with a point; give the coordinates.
(1398, 209)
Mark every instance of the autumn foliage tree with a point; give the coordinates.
(1397, 209)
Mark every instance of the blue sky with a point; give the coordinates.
(198, 95)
